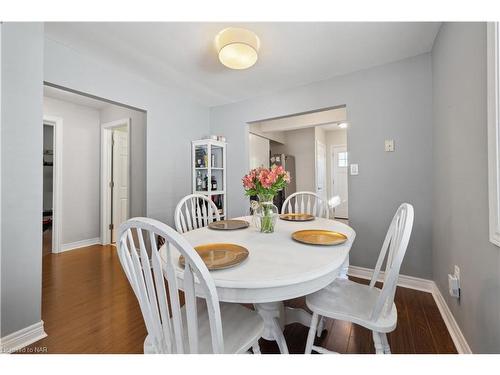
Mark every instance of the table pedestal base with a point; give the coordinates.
(276, 316)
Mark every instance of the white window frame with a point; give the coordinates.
(493, 131)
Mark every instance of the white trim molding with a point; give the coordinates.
(428, 286)
(79, 244)
(106, 151)
(57, 123)
(493, 132)
(452, 325)
(22, 338)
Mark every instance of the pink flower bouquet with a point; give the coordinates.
(265, 182)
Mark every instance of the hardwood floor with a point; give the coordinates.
(89, 307)
(47, 241)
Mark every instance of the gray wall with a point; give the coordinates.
(173, 119)
(27, 60)
(460, 220)
(80, 169)
(137, 153)
(21, 200)
(391, 101)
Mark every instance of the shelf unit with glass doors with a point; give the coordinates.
(209, 171)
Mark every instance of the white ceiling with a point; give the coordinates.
(71, 97)
(292, 54)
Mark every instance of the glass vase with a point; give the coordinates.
(266, 214)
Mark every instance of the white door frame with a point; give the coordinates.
(332, 169)
(106, 150)
(57, 123)
(325, 191)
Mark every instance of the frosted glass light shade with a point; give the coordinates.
(237, 47)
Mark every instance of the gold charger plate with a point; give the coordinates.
(218, 256)
(319, 237)
(296, 217)
(228, 224)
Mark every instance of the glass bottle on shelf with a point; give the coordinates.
(204, 185)
(198, 181)
(201, 158)
(214, 183)
(213, 161)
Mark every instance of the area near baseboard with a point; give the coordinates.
(425, 286)
(22, 338)
(78, 244)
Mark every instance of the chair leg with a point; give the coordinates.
(256, 348)
(312, 333)
(385, 343)
(321, 326)
(377, 342)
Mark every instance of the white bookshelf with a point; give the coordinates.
(209, 171)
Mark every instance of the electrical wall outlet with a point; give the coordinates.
(454, 283)
(389, 145)
(354, 169)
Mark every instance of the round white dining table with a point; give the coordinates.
(278, 268)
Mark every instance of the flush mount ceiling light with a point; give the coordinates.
(237, 47)
(342, 125)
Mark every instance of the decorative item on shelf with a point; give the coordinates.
(199, 181)
(265, 183)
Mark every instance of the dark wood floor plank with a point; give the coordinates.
(89, 307)
(420, 329)
(338, 337)
(401, 340)
(360, 341)
(439, 332)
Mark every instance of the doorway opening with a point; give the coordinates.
(83, 202)
(52, 167)
(48, 188)
(115, 167)
(303, 144)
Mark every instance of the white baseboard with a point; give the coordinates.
(78, 244)
(452, 325)
(428, 286)
(22, 338)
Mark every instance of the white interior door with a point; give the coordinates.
(321, 170)
(259, 151)
(120, 179)
(339, 173)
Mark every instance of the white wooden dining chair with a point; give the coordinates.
(195, 211)
(201, 325)
(305, 202)
(367, 305)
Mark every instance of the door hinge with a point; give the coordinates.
(111, 184)
(111, 227)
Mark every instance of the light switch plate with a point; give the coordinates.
(389, 145)
(354, 169)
